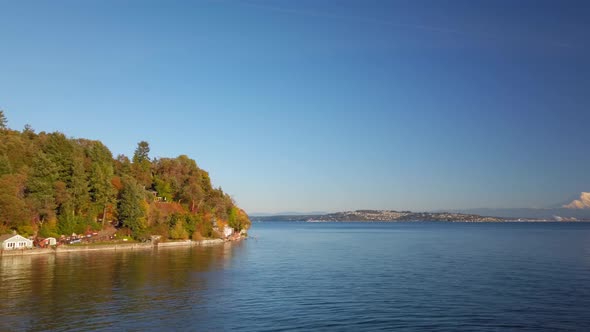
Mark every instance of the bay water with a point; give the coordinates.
(422, 276)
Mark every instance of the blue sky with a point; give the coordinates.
(319, 105)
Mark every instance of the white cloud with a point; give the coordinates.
(582, 203)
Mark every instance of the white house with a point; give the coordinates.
(14, 241)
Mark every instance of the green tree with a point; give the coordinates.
(164, 189)
(13, 208)
(62, 197)
(28, 131)
(141, 164)
(60, 151)
(5, 167)
(237, 219)
(102, 191)
(79, 187)
(141, 152)
(68, 224)
(40, 187)
(178, 232)
(193, 192)
(130, 208)
(18, 150)
(122, 165)
(3, 120)
(49, 229)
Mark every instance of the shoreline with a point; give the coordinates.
(434, 221)
(113, 247)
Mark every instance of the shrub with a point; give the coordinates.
(48, 229)
(178, 232)
(197, 236)
(216, 235)
(25, 230)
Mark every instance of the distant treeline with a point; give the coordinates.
(52, 185)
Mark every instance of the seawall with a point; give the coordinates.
(190, 243)
(111, 247)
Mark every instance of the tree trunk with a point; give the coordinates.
(104, 214)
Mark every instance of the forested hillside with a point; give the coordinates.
(52, 185)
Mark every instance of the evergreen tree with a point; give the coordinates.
(142, 165)
(79, 188)
(141, 152)
(60, 151)
(102, 191)
(40, 187)
(130, 206)
(3, 120)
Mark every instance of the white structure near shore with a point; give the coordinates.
(50, 241)
(227, 231)
(14, 241)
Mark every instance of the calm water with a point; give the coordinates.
(302, 276)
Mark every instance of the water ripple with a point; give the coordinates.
(301, 277)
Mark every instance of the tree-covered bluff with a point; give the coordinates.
(52, 185)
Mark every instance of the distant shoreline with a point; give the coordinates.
(270, 219)
(431, 221)
(409, 216)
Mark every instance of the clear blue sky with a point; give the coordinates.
(319, 105)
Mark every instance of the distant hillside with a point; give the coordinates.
(382, 215)
(288, 217)
(483, 215)
(286, 213)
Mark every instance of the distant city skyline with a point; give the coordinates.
(320, 105)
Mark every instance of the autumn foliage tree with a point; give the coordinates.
(53, 185)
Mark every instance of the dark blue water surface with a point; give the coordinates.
(317, 276)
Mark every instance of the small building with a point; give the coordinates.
(50, 241)
(14, 241)
(156, 197)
